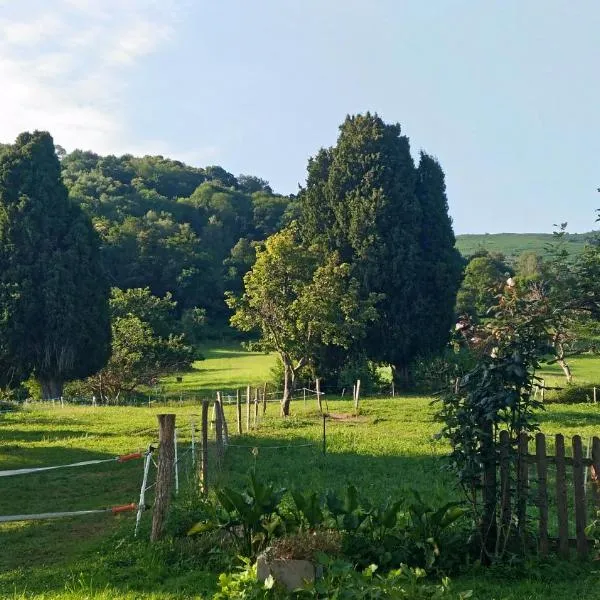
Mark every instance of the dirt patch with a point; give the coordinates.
(347, 417)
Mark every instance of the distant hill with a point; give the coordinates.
(513, 244)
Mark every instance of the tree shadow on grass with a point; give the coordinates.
(27, 436)
(573, 418)
(294, 463)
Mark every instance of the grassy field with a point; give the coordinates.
(224, 368)
(513, 244)
(388, 450)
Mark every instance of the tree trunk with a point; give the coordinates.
(401, 377)
(560, 359)
(52, 388)
(289, 383)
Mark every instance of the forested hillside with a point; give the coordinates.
(175, 228)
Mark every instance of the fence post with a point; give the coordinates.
(542, 473)
(164, 475)
(561, 497)
(238, 407)
(357, 396)
(224, 426)
(255, 407)
(204, 449)
(324, 435)
(543, 390)
(594, 394)
(579, 488)
(488, 522)
(596, 470)
(248, 408)
(219, 432)
(193, 428)
(175, 462)
(318, 389)
(264, 398)
(522, 485)
(505, 507)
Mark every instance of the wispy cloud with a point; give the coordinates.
(64, 67)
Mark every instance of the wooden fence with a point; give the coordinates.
(549, 485)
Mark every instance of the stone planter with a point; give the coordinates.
(290, 573)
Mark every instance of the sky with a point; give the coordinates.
(505, 93)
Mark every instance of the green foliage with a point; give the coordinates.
(143, 345)
(299, 303)
(172, 227)
(340, 580)
(483, 280)
(251, 517)
(54, 320)
(365, 200)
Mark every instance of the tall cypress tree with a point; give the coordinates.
(442, 264)
(54, 319)
(365, 199)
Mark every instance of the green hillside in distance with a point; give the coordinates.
(513, 244)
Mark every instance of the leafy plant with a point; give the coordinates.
(340, 581)
(251, 517)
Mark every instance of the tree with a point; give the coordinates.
(144, 345)
(529, 266)
(365, 200)
(484, 277)
(53, 291)
(441, 264)
(299, 302)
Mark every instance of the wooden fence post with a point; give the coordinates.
(522, 485)
(542, 474)
(255, 407)
(238, 407)
(543, 390)
(164, 476)
(579, 489)
(318, 389)
(225, 428)
(488, 522)
(248, 408)
(264, 399)
(204, 449)
(561, 497)
(505, 507)
(596, 470)
(357, 395)
(219, 432)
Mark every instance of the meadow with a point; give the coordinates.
(388, 450)
(511, 245)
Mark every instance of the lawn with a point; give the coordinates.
(388, 450)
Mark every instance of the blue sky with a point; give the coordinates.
(504, 92)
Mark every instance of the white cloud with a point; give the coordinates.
(67, 71)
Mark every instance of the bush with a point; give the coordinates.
(340, 580)
(571, 394)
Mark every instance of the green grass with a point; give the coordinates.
(224, 369)
(387, 451)
(513, 244)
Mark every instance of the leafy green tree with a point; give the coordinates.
(365, 200)
(298, 302)
(54, 320)
(144, 345)
(529, 266)
(484, 278)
